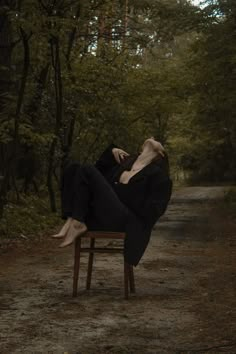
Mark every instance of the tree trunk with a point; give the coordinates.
(50, 175)
(56, 63)
(25, 40)
(5, 87)
(36, 100)
(125, 27)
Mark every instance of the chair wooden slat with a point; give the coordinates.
(102, 250)
(105, 234)
(93, 235)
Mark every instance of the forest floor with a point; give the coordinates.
(185, 290)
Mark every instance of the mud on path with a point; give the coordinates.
(184, 301)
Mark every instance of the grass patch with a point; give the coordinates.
(30, 217)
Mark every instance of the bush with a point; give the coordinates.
(28, 218)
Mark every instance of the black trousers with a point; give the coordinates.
(87, 197)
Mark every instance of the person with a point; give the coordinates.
(121, 192)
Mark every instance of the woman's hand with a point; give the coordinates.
(119, 154)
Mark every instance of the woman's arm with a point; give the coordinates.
(119, 154)
(110, 157)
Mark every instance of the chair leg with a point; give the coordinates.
(126, 280)
(90, 264)
(131, 279)
(76, 266)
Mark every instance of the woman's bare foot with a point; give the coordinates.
(76, 229)
(63, 231)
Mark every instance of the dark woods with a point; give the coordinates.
(75, 76)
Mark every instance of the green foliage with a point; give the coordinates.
(100, 72)
(29, 218)
(27, 134)
(213, 97)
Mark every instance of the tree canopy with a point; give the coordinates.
(77, 75)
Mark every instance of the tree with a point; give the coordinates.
(213, 99)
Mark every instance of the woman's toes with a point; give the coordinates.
(58, 235)
(63, 231)
(75, 230)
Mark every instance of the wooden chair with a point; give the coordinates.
(93, 235)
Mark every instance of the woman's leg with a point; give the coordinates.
(64, 229)
(76, 229)
(67, 189)
(91, 201)
(106, 211)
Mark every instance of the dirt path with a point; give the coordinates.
(185, 300)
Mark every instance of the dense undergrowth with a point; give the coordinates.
(28, 218)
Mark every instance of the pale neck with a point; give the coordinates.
(146, 156)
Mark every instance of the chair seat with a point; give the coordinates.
(92, 236)
(104, 234)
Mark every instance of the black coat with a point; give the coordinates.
(149, 192)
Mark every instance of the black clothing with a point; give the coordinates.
(87, 197)
(106, 204)
(148, 191)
